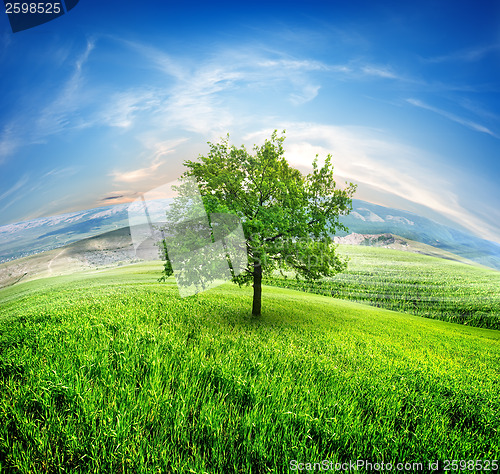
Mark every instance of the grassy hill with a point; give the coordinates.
(111, 371)
(430, 283)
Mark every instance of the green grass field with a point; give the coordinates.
(112, 372)
(417, 284)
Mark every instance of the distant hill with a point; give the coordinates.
(48, 233)
(396, 242)
(39, 235)
(367, 218)
(108, 249)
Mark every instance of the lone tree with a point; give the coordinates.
(287, 218)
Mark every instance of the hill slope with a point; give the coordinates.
(445, 288)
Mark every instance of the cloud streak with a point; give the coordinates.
(56, 115)
(9, 142)
(13, 189)
(124, 108)
(454, 118)
(59, 113)
(467, 55)
(377, 71)
(139, 174)
(158, 150)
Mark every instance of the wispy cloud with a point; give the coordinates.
(139, 174)
(123, 108)
(194, 104)
(51, 208)
(28, 189)
(157, 153)
(210, 97)
(58, 114)
(191, 97)
(478, 109)
(455, 118)
(61, 172)
(158, 58)
(5, 42)
(467, 55)
(14, 188)
(294, 64)
(9, 141)
(296, 72)
(17, 192)
(308, 93)
(379, 71)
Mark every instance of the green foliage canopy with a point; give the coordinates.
(288, 218)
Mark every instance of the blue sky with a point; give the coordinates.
(107, 101)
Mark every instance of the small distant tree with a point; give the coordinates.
(288, 219)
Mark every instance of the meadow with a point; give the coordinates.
(408, 282)
(112, 371)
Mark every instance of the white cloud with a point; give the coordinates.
(308, 93)
(15, 194)
(192, 98)
(193, 103)
(157, 150)
(160, 60)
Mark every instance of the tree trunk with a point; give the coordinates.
(257, 288)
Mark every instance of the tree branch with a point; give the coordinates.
(281, 234)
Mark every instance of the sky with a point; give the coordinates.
(107, 101)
